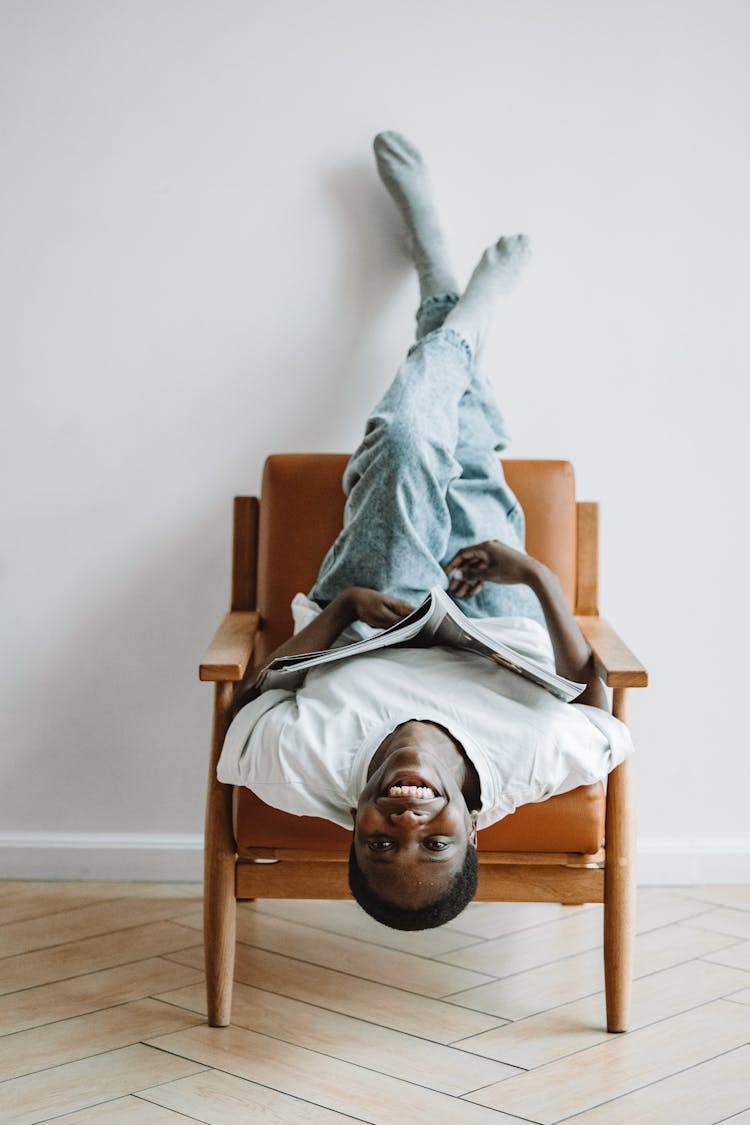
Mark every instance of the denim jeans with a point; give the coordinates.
(426, 480)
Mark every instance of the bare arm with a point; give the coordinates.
(354, 604)
(496, 562)
(573, 656)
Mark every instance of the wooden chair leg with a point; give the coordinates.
(219, 863)
(619, 885)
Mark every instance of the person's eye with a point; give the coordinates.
(379, 845)
(436, 845)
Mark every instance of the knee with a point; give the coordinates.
(402, 439)
(398, 438)
(401, 453)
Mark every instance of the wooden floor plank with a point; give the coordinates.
(27, 970)
(72, 1039)
(13, 886)
(737, 896)
(35, 899)
(659, 907)
(86, 921)
(620, 1066)
(359, 958)
(78, 1085)
(547, 986)
(703, 1095)
(493, 919)
(508, 954)
(551, 1035)
(349, 920)
(737, 954)
(50, 898)
(222, 1099)
(123, 1111)
(452, 1071)
(568, 935)
(725, 921)
(352, 996)
(339, 1086)
(92, 991)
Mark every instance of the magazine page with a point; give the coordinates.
(462, 632)
(280, 672)
(437, 621)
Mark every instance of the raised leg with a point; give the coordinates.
(219, 902)
(396, 519)
(619, 885)
(403, 171)
(494, 276)
(426, 480)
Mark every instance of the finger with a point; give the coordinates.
(475, 588)
(456, 562)
(469, 587)
(462, 583)
(376, 620)
(475, 557)
(458, 581)
(460, 574)
(403, 609)
(470, 573)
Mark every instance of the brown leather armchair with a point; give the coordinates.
(572, 848)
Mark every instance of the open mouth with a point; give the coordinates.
(413, 787)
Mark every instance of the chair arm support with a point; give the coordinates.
(614, 661)
(229, 653)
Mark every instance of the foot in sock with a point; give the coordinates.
(404, 173)
(495, 274)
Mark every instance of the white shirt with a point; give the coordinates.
(307, 752)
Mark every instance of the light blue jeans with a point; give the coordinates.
(426, 480)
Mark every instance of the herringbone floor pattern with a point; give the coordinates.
(496, 1018)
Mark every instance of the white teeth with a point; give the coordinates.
(422, 791)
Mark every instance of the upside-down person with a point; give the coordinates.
(417, 748)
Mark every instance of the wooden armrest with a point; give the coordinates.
(614, 661)
(229, 652)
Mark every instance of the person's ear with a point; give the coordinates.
(473, 829)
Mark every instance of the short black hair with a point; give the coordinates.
(461, 891)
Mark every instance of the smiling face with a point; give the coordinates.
(412, 824)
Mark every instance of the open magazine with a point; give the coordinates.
(437, 621)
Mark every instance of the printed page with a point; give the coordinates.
(461, 631)
(400, 633)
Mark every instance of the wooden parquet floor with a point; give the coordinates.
(496, 1018)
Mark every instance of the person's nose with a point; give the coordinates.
(407, 816)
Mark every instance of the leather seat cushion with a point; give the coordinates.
(569, 822)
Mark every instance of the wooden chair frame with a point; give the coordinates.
(608, 876)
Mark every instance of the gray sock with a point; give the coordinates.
(495, 274)
(404, 173)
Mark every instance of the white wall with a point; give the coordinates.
(201, 267)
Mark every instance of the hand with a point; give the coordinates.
(376, 609)
(491, 561)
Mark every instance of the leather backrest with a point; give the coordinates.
(301, 513)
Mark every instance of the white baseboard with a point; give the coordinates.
(167, 858)
(662, 861)
(665, 860)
